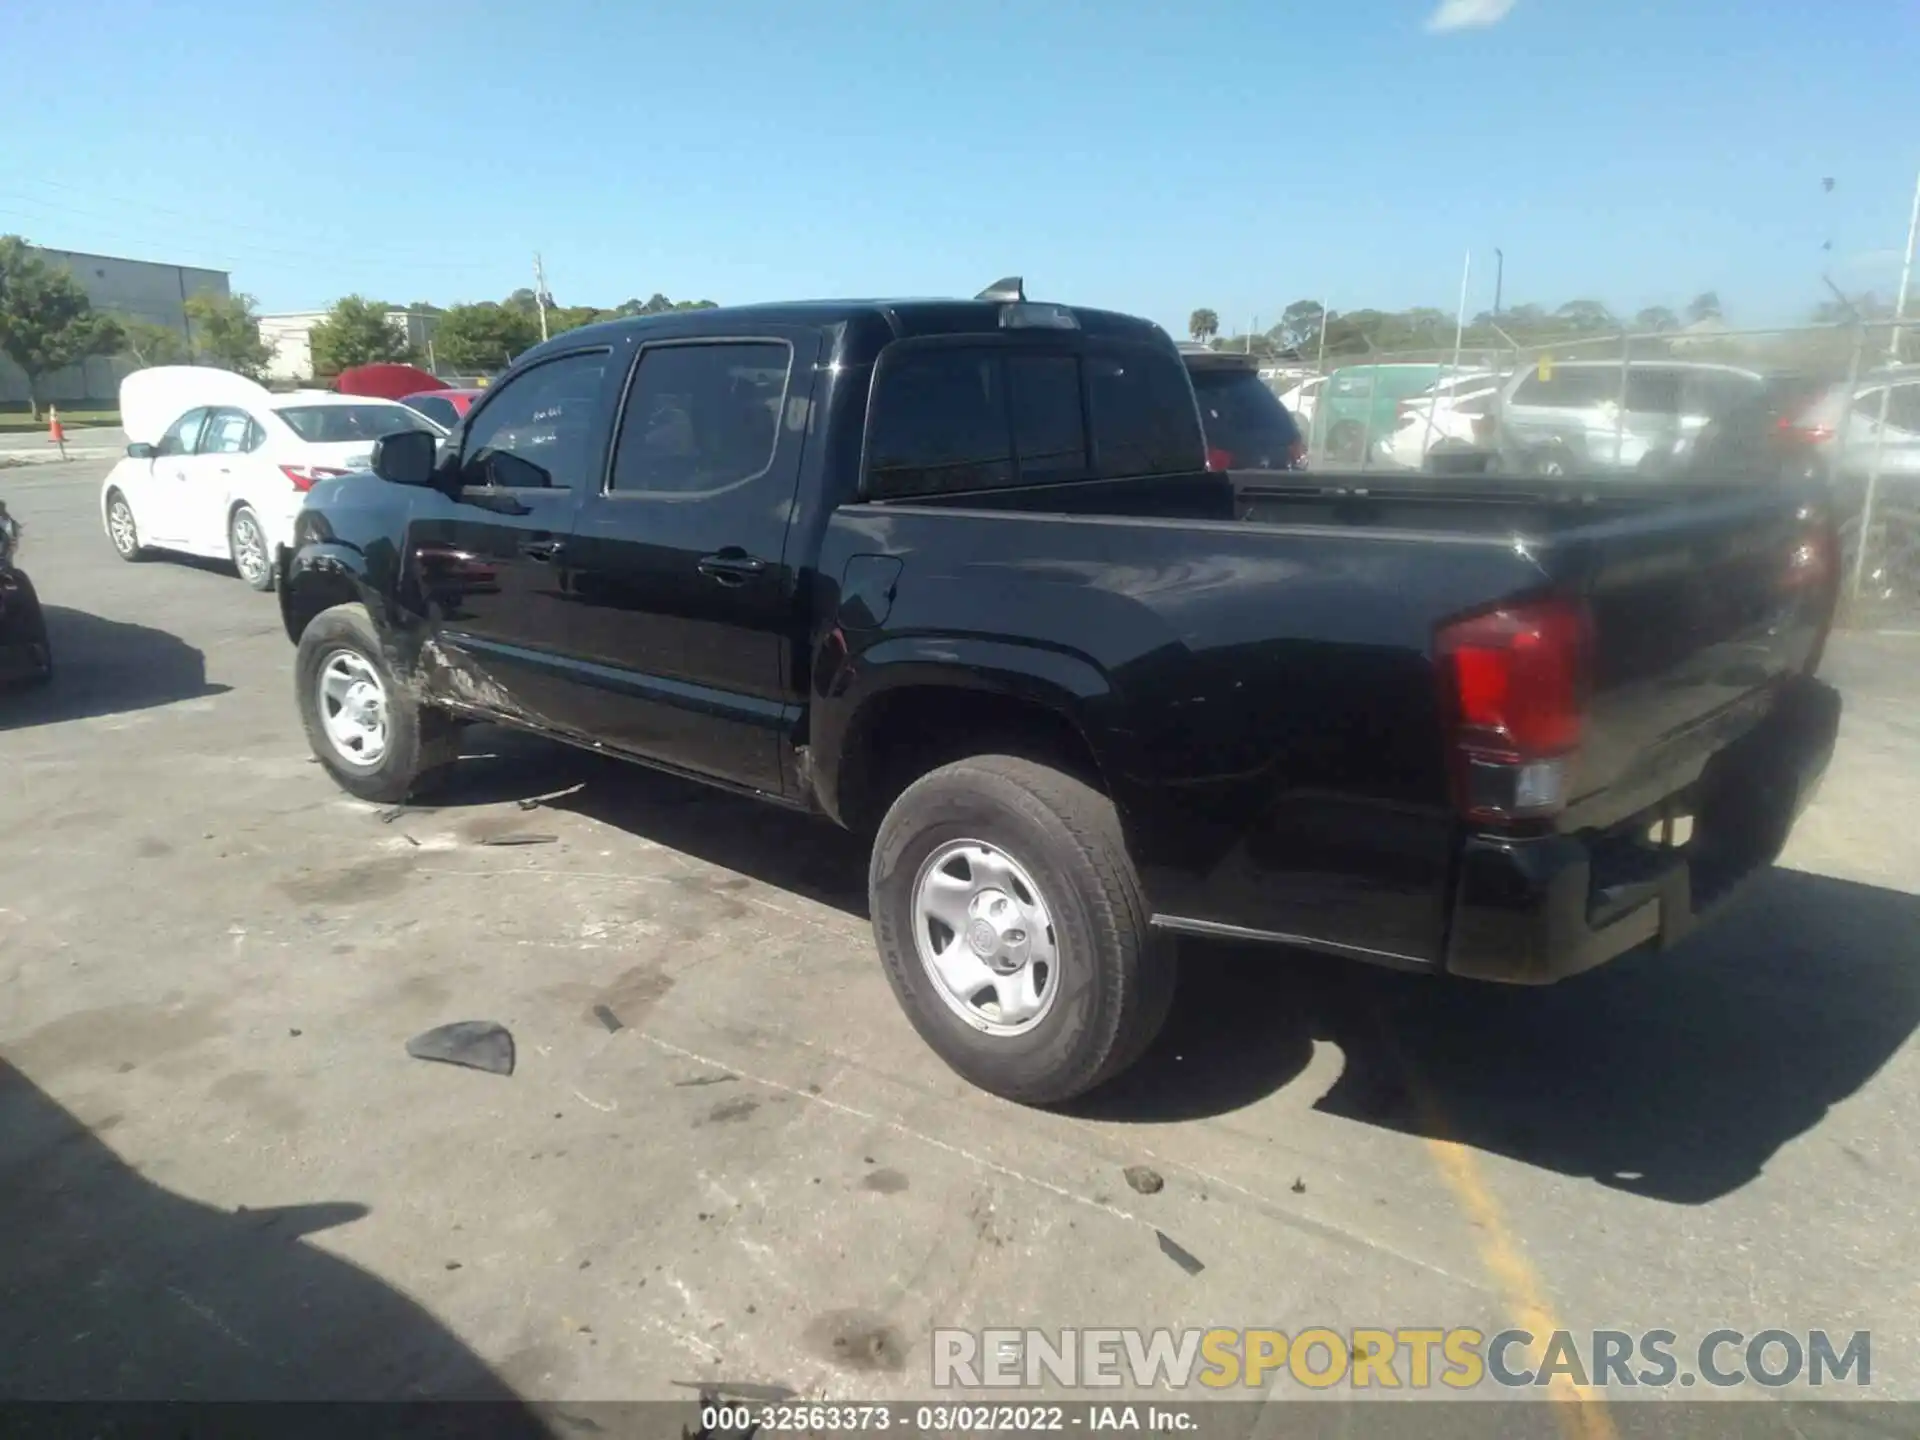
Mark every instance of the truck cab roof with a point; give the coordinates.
(869, 325)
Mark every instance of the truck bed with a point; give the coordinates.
(1254, 658)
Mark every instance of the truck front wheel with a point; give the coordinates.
(375, 738)
(1013, 928)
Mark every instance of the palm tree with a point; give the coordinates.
(1203, 325)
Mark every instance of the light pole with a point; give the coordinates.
(1499, 275)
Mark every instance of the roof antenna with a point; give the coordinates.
(1008, 290)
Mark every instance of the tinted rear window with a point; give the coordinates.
(1244, 418)
(341, 424)
(949, 419)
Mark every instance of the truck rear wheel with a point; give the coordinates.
(374, 737)
(1014, 931)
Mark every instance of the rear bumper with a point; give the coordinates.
(1534, 911)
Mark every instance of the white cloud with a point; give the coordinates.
(1468, 14)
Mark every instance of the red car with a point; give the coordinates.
(444, 407)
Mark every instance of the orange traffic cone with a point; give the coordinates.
(56, 432)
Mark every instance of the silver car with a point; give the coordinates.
(1843, 433)
(1558, 417)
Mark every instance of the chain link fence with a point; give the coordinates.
(1835, 402)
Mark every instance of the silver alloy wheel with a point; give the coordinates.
(983, 932)
(352, 700)
(249, 548)
(120, 527)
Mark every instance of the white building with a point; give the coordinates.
(290, 338)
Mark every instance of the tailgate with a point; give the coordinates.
(1701, 607)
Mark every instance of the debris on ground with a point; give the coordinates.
(1144, 1179)
(387, 817)
(476, 1044)
(704, 1080)
(534, 802)
(607, 1018)
(1299, 1186)
(294, 1033)
(1179, 1254)
(521, 837)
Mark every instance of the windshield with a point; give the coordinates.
(1244, 418)
(343, 424)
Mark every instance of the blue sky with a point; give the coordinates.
(1138, 154)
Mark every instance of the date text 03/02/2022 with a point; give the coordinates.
(813, 1419)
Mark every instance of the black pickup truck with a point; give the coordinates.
(955, 575)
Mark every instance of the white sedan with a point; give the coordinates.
(218, 466)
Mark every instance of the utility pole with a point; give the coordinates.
(1886, 394)
(540, 292)
(1906, 277)
(1499, 277)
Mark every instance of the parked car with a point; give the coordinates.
(1246, 426)
(26, 653)
(1301, 399)
(386, 380)
(217, 466)
(1839, 437)
(1359, 405)
(1458, 415)
(1558, 417)
(954, 575)
(443, 407)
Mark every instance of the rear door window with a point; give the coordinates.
(1653, 391)
(702, 418)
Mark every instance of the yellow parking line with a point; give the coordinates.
(1585, 1416)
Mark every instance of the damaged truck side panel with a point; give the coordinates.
(953, 574)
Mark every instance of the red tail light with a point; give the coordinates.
(1219, 459)
(303, 476)
(1807, 434)
(1514, 682)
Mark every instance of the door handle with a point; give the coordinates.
(544, 551)
(731, 568)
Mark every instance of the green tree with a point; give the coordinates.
(483, 337)
(46, 320)
(1656, 318)
(356, 332)
(226, 333)
(1203, 325)
(1704, 306)
(1299, 327)
(146, 343)
(1585, 316)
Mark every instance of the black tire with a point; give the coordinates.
(249, 553)
(1346, 443)
(135, 550)
(1115, 973)
(420, 742)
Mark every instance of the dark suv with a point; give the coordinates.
(1247, 427)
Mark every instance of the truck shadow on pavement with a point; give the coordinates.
(107, 667)
(1673, 1076)
(802, 854)
(119, 1290)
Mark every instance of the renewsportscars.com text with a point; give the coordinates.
(1320, 1358)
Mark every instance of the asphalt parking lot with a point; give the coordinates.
(222, 1176)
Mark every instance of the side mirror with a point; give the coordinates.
(406, 458)
(140, 450)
